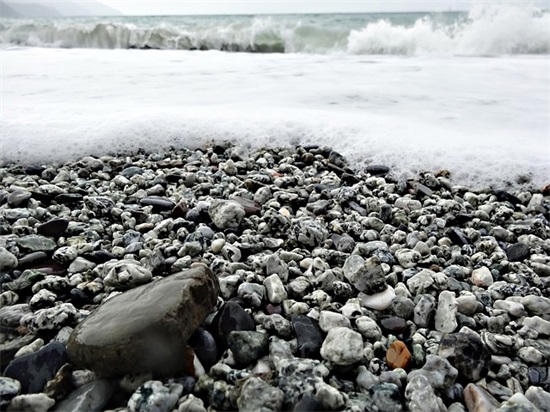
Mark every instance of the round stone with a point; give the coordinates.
(398, 355)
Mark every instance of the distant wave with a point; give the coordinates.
(486, 30)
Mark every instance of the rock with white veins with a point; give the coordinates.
(445, 315)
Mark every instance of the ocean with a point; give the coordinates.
(466, 92)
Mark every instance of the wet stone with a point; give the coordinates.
(539, 376)
(205, 347)
(478, 399)
(342, 346)
(116, 339)
(8, 261)
(33, 371)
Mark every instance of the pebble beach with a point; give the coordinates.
(269, 279)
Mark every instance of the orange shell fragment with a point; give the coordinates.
(398, 355)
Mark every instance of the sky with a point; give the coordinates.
(163, 7)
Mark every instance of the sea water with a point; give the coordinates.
(466, 92)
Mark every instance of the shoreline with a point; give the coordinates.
(420, 292)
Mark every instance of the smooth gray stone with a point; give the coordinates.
(146, 328)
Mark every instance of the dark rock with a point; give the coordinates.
(467, 354)
(344, 243)
(10, 348)
(69, 198)
(251, 207)
(54, 228)
(309, 336)
(377, 170)
(308, 403)
(457, 237)
(159, 203)
(180, 209)
(79, 298)
(394, 324)
(231, 317)
(518, 252)
(34, 370)
(146, 328)
(204, 345)
(504, 196)
(359, 209)
(337, 159)
(99, 256)
(539, 376)
(247, 346)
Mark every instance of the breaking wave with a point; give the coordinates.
(485, 30)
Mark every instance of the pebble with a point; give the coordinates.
(9, 388)
(478, 399)
(257, 395)
(342, 346)
(247, 346)
(36, 402)
(226, 213)
(275, 290)
(37, 368)
(445, 314)
(113, 337)
(398, 355)
(308, 335)
(420, 395)
(467, 354)
(378, 301)
(482, 277)
(8, 261)
(153, 396)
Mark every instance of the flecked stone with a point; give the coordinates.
(421, 282)
(467, 354)
(329, 320)
(366, 275)
(191, 403)
(478, 399)
(125, 274)
(35, 369)
(64, 314)
(247, 346)
(164, 314)
(408, 258)
(445, 314)
(226, 213)
(438, 370)
(9, 388)
(342, 346)
(257, 395)
(153, 396)
(36, 402)
(385, 397)
(420, 395)
(424, 311)
(308, 335)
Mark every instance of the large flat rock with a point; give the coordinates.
(146, 328)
